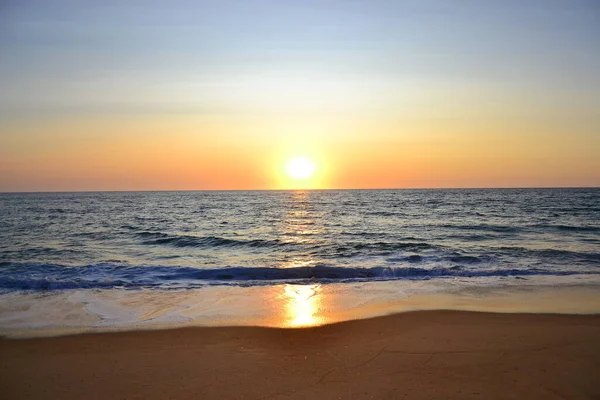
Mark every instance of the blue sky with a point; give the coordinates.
(63, 56)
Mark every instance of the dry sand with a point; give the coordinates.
(416, 355)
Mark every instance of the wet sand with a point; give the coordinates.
(414, 355)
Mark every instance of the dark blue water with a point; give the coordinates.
(190, 239)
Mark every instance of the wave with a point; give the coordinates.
(571, 228)
(40, 252)
(385, 213)
(347, 249)
(465, 259)
(18, 276)
(567, 254)
(159, 238)
(515, 229)
(354, 249)
(390, 246)
(482, 227)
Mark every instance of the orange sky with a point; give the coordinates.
(220, 95)
(187, 152)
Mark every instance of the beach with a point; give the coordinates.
(341, 294)
(413, 355)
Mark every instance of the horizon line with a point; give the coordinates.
(296, 190)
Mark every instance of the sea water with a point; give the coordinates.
(114, 258)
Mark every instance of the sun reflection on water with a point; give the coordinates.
(300, 302)
(302, 305)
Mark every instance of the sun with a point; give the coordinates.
(300, 168)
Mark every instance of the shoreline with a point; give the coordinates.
(418, 354)
(24, 315)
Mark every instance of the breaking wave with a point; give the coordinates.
(103, 276)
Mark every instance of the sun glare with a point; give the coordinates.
(302, 305)
(300, 168)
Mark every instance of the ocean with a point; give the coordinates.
(79, 246)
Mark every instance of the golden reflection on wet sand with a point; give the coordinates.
(301, 306)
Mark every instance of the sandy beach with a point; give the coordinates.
(414, 355)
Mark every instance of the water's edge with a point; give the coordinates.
(282, 306)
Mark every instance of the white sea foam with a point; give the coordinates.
(26, 313)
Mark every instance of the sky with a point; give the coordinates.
(189, 95)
